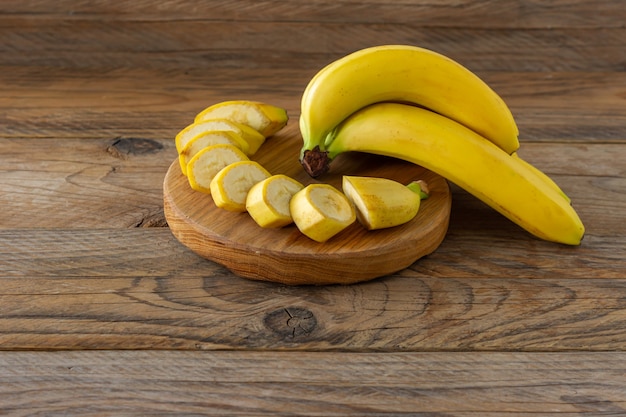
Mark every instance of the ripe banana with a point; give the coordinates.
(320, 211)
(381, 202)
(542, 176)
(463, 157)
(254, 138)
(267, 201)
(208, 162)
(265, 118)
(402, 73)
(230, 186)
(206, 139)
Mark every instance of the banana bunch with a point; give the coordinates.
(420, 106)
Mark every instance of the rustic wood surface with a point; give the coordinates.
(104, 312)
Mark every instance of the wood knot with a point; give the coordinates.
(291, 322)
(122, 148)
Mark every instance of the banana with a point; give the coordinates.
(267, 201)
(542, 176)
(320, 211)
(381, 202)
(408, 74)
(463, 157)
(250, 135)
(209, 138)
(208, 162)
(265, 118)
(230, 186)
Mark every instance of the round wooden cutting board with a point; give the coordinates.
(287, 256)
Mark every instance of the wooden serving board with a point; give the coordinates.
(287, 256)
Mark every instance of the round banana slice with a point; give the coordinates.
(206, 139)
(268, 201)
(254, 138)
(230, 186)
(208, 162)
(265, 118)
(320, 211)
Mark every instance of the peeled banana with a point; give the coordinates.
(464, 157)
(402, 73)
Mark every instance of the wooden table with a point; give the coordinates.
(104, 312)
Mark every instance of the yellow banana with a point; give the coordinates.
(230, 186)
(463, 157)
(267, 201)
(542, 176)
(408, 74)
(250, 135)
(320, 211)
(381, 202)
(209, 138)
(265, 118)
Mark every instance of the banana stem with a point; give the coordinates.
(419, 187)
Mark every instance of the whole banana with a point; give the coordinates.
(465, 158)
(403, 73)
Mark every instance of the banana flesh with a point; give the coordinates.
(403, 73)
(465, 158)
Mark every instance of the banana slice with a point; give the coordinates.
(231, 184)
(254, 138)
(320, 211)
(380, 202)
(268, 201)
(206, 139)
(265, 118)
(208, 162)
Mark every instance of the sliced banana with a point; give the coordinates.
(230, 186)
(209, 138)
(268, 201)
(381, 202)
(208, 162)
(320, 211)
(265, 118)
(254, 138)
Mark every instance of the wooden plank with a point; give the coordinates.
(96, 182)
(446, 13)
(312, 384)
(209, 45)
(576, 107)
(140, 289)
(117, 182)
